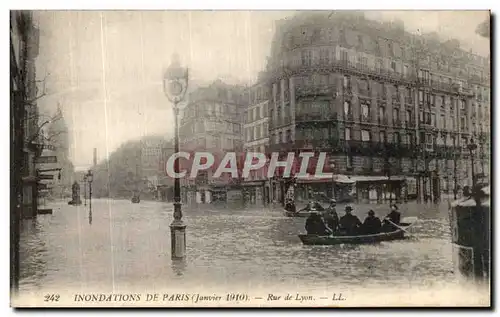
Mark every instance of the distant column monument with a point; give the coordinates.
(75, 194)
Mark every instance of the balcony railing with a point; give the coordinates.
(304, 117)
(410, 124)
(345, 65)
(315, 90)
(370, 148)
(366, 119)
(348, 117)
(383, 121)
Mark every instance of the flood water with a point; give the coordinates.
(128, 246)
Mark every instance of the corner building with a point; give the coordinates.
(394, 110)
(256, 187)
(212, 122)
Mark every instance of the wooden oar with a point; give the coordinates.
(399, 227)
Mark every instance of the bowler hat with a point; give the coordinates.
(371, 213)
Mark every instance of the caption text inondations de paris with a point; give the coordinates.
(197, 298)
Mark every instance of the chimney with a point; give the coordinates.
(95, 157)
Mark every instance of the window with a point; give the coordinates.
(346, 82)
(420, 96)
(411, 138)
(381, 113)
(365, 110)
(408, 116)
(347, 107)
(422, 137)
(429, 139)
(288, 136)
(365, 135)
(443, 121)
(324, 56)
(217, 142)
(395, 115)
(405, 70)
(347, 134)
(306, 58)
(397, 138)
(349, 162)
(393, 66)
(280, 137)
(427, 117)
(382, 137)
(344, 56)
(433, 119)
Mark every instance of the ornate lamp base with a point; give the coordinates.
(178, 239)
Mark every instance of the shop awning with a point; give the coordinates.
(343, 179)
(376, 178)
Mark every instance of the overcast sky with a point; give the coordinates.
(106, 67)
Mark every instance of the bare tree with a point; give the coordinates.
(483, 29)
(42, 120)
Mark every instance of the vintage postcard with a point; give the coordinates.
(250, 158)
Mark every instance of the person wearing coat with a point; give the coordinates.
(372, 224)
(315, 225)
(330, 215)
(349, 223)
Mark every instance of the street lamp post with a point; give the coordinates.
(472, 147)
(90, 178)
(85, 190)
(175, 83)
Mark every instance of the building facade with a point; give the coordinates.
(394, 110)
(152, 166)
(26, 140)
(57, 135)
(212, 122)
(256, 187)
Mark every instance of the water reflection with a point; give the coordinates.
(33, 253)
(179, 266)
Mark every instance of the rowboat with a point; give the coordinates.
(310, 239)
(300, 214)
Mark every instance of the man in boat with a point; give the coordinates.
(349, 223)
(330, 215)
(316, 225)
(372, 224)
(392, 219)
